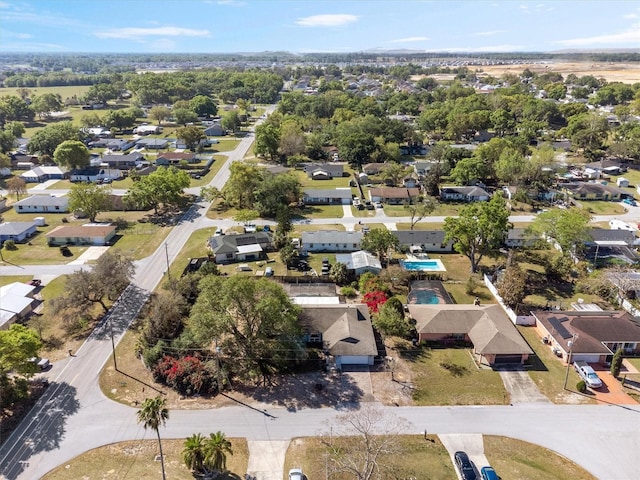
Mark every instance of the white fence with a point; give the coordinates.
(516, 319)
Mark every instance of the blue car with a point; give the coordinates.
(489, 473)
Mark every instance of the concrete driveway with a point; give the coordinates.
(612, 391)
(470, 443)
(91, 253)
(520, 386)
(266, 459)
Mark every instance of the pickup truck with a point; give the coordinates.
(588, 374)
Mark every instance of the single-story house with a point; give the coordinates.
(147, 129)
(331, 241)
(42, 174)
(42, 204)
(607, 237)
(410, 182)
(393, 195)
(152, 143)
(123, 162)
(238, 248)
(343, 331)
(595, 335)
(174, 158)
(427, 240)
(464, 194)
(373, 168)
(5, 172)
(330, 196)
(360, 262)
(17, 301)
(519, 237)
(494, 337)
(592, 191)
(94, 174)
(89, 234)
(17, 231)
(324, 171)
(422, 168)
(414, 149)
(215, 130)
(114, 144)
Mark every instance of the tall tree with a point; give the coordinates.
(512, 285)
(17, 186)
(568, 227)
(292, 139)
(239, 191)
(153, 414)
(17, 345)
(72, 154)
(254, 322)
(231, 121)
(191, 135)
(203, 106)
(194, 452)
(479, 230)
(159, 114)
(420, 209)
(162, 187)
(394, 173)
(43, 105)
(183, 116)
(46, 141)
(217, 447)
(89, 198)
(379, 241)
(267, 141)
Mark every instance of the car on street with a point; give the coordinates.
(42, 363)
(588, 374)
(488, 473)
(296, 474)
(465, 466)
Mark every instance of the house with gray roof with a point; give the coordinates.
(360, 262)
(331, 241)
(240, 248)
(152, 143)
(464, 194)
(42, 204)
(17, 231)
(593, 191)
(324, 171)
(520, 237)
(113, 144)
(495, 338)
(42, 174)
(327, 196)
(427, 240)
(123, 162)
(342, 331)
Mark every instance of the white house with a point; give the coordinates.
(331, 241)
(42, 204)
(16, 300)
(42, 174)
(17, 231)
(332, 196)
(94, 174)
(360, 262)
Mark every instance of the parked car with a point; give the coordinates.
(629, 201)
(465, 466)
(378, 205)
(268, 272)
(587, 373)
(218, 232)
(43, 363)
(488, 473)
(296, 474)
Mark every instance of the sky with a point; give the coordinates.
(302, 26)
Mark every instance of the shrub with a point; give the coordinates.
(348, 292)
(187, 375)
(10, 245)
(374, 300)
(471, 285)
(616, 363)
(581, 386)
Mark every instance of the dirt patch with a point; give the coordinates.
(612, 72)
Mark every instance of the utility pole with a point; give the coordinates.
(113, 345)
(570, 345)
(166, 251)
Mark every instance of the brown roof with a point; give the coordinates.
(395, 192)
(346, 329)
(593, 329)
(81, 231)
(487, 326)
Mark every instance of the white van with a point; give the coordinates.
(268, 272)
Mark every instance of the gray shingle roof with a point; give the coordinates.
(15, 228)
(41, 200)
(328, 193)
(419, 237)
(331, 236)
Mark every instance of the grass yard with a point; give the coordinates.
(598, 207)
(139, 240)
(319, 211)
(6, 280)
(456, 276)
(215, 168)
(196, 247)
(64, 92)
(514, 459)
(461, 383)
(548, 371)
(136, 459)
(303, 227)
(633, 361)
(418, 459)
(224, 145)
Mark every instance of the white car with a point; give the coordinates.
(43, 363)
(296, 474)
(588, 374)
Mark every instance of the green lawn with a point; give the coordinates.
(196, 247)
(417, 458)
(602, 208)
(341, 182)
(321, 211)
(462, 383)
(298, 227)
(6, 280)
(64, 92)
(548, 371)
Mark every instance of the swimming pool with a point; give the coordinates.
(423, 297)
(423, 265)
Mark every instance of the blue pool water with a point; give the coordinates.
(422, 265)
(423, 297)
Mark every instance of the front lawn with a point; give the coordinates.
(601, 207)
(418, 458)
(136, 459)
(449, 376)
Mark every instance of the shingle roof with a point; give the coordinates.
(394, 192)
(346, 329)
(41, 200)
(487, 326)
(328, 193)
(331, 236)
(469, 191)
(82, 231)
(15, 228)
(230, 243)
(419, 237)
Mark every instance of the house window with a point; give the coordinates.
(19, 207)
(355, 246)
(57, 208)
(229, 255)
(311, 245)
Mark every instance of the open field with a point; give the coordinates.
(612, 72)
(136, 459)
(64, 92)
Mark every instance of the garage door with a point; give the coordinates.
(501, 359)
(585, 358)
(354, 360)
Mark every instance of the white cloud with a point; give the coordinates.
(17, 35)
(227, 3)
(328, 20)
(489, 33)
(630, 36)
(630, 16)
(487, 49)
(138, 32)
(30, 47)
(409, 40)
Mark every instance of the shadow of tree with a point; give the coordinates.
(40, 431)
(415, 354)
(310, 390)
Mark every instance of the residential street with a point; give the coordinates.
(74, 416)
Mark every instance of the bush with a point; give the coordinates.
(187, 375)
(616, 363)
(471, 285)
(348, 292)
(581, 386)
(10, 245)
(374, 300)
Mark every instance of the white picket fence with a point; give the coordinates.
(516, 319)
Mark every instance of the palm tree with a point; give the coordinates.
(194, 452)
(154, 413)
(217, 447)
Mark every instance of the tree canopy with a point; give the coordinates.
(162, 187)
(568, 227)
(46, 141)
(90, 199)
(72, 154)
(379, 241)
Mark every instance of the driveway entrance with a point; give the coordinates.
(521, 388)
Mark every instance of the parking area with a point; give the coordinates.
(612, 391)
(470, 443)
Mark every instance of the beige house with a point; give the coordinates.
(494, 337)
(92, 234)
